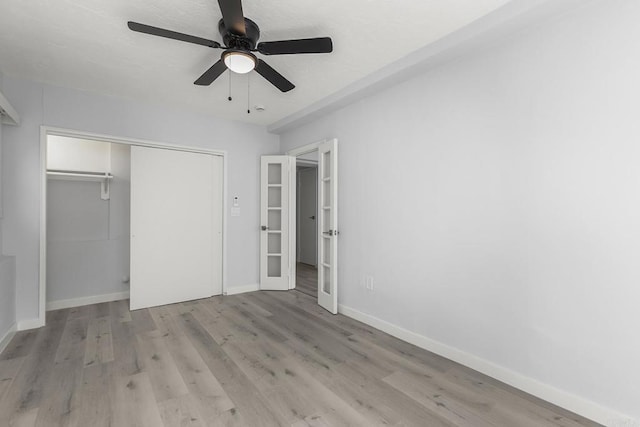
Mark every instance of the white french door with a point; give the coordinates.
(328, 226)
(277, 197)
(176, 226)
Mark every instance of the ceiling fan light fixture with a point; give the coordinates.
(238, 61)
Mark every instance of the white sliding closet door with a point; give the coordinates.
(176, 226)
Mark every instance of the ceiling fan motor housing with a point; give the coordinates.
(248, 41)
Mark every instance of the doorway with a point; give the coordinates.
(86, 212)
(324, 156)
(307, 225)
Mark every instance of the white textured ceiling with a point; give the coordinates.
(86, 44)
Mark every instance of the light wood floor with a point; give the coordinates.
(259, 359)
(307, 279)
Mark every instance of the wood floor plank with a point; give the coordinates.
(142, 321)
(20, 344)
(158, 363)
(84, 311)
(119, 311)
(99, 344)
(95, 406)
(253, 307)
(9, 368)
(60, 402)
(258, 324)
(125, 355)
(134, 402)
(73, 342)
(436, 400)
(307, 279)
(24, 419)
(181, 411)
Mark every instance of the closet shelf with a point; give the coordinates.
(102, 178)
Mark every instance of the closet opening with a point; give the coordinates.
(87, 228)
(129, 219)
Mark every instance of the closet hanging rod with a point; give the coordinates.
(79, 174)
(102, 178)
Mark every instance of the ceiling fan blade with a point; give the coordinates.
(285, 47)
(211, 74)
(274, 77)
(155, 31)
(232, 16)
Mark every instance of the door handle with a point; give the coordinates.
(312, 217)
(264, 228)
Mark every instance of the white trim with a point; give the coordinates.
(293, 221)
(43, 227)
(225, 193)
(95, 299)
(23, 325)
(242, 289)
(6, 339)
(307, 163)
(50, 130)
(306, 149)
(8, 114)
(561, 398)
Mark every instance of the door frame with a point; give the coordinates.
(296, 152)
(45, 131)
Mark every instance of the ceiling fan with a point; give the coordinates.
(240, 36)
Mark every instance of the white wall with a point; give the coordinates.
(76, 154)
(7, 265)
(41, 104)
(495, 202)
(87, 237)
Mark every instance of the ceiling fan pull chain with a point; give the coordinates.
(248, 93)
(229, 98)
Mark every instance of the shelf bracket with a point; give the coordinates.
(104, 189)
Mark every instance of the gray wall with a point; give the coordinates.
(87, 237)
(41, 104)
(495, 201)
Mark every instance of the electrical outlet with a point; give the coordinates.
(368, 283)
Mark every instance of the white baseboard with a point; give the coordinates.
(558, 397)
(23, 325)
(242, 289)
(95, 299)
(4, 341)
